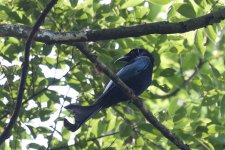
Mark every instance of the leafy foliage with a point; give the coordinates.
(196, 113)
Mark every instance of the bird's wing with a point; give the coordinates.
(130, 70)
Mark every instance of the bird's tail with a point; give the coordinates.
(81, 114)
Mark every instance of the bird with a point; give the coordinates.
(136, 74)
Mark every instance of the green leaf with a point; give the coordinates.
(112, 124)
(49, 61)
(11, 14)
(36, 146)
(180, 114)
(187, 11)
(112, 18)
(206, 144)
(43, 130)
(131, 3)
(209, 101)
(180, 124)
(215, 72)
(145, 127)
(45, 114)
(222, 106)
(15, 144)
(189, 61)
(75, 84)
(52, 97)
(160, 2)
(200, 41)
(5, 146)
(198, 2)
(32, 130)
(167, 72)
(47, 49)
(102, 124)
(141, 11)
(211, 32)
(140, 142)
(43, 98)
(124, 130)
(214, 128)
(73, 3)
(173, 106)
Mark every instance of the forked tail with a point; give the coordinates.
(81, 114)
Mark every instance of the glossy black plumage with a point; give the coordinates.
(137, 74)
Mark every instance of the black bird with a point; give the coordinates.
(136, 74)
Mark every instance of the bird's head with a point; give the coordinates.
(134, 53)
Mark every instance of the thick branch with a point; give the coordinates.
(137, 101)
(47, 36)
(25, 68)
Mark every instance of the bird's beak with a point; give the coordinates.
(124, 58)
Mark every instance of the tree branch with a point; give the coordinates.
(164, 27)
(25, 68)
(130, 94)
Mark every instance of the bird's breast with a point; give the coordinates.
(141, 81)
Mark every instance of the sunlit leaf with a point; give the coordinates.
(211, 32)
(187, 10)
(131, 3)
(141, 11)
(161, 2)
(200, 41)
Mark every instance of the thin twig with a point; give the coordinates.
(112, 143)
(54, 129)
(88, 140)
(25, 68)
